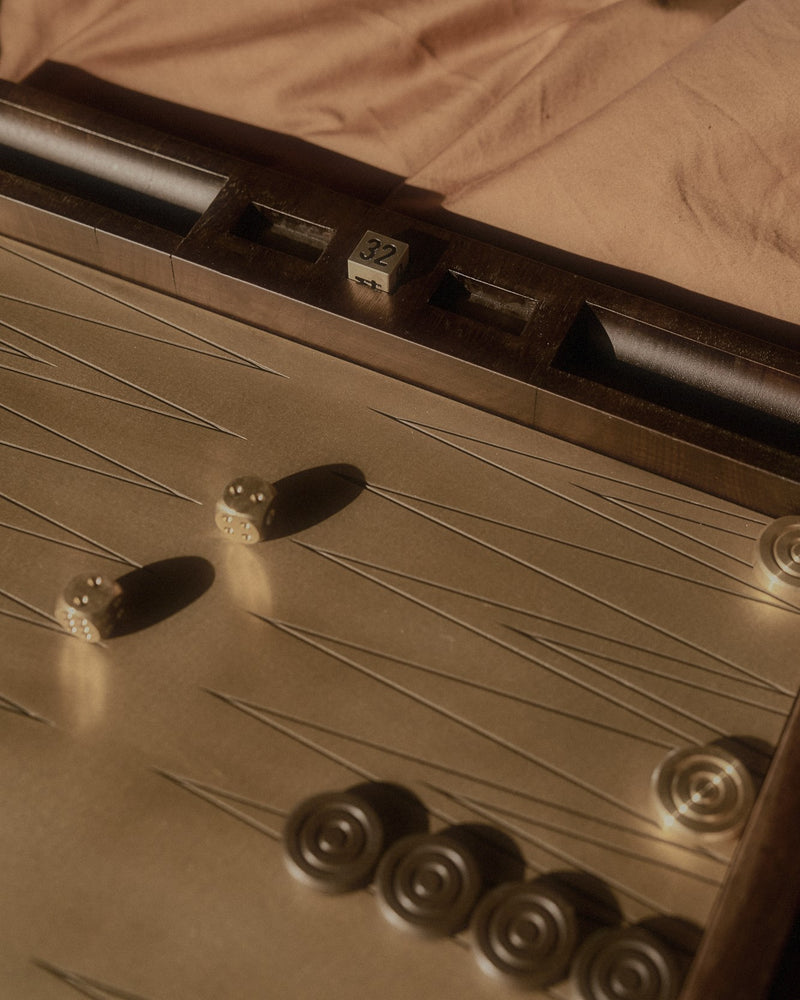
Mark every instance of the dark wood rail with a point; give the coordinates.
(700, 403)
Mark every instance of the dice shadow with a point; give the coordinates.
(308, 497)
(160, 590)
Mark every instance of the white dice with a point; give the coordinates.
(90, 607)
(245, 510)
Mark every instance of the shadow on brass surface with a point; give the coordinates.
(156, 592)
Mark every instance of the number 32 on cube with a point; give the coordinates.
(378, 261)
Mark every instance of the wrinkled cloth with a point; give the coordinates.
(660, 136)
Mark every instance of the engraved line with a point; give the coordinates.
(255, 712)
(466, 723)
(487, 783)
(530, 531)
(113, 399)
(118, 557)
(217, 796)
(585, 838)
(621, 661)
(609, 675)
(639, 511)
(603, 602)
(750, 682)
(99, 454)
(142, 312)
(85, 468)
(91, 988)
(576, 468)
(523, 654)
(556, 852)
(648, 717)
(759, 598)
(31, 621)
(123, 381)
(223, 793)
(588, 509)
(685, 713)
(263, 715)
(24, 604)
(637, 505)
(479, 686)
(772, 599)
(9, 348)
(7, 705)
(227, 358)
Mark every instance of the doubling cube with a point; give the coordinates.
(378, 262)
(90, 607)
(245, 510)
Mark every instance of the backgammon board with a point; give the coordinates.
(453, 616)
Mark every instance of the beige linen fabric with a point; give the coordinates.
(660, 137)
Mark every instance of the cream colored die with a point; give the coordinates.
(245, 510)
(378, 261)
(90, 607)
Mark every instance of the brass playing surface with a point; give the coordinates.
(513, 628)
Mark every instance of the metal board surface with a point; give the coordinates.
(513, 628)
